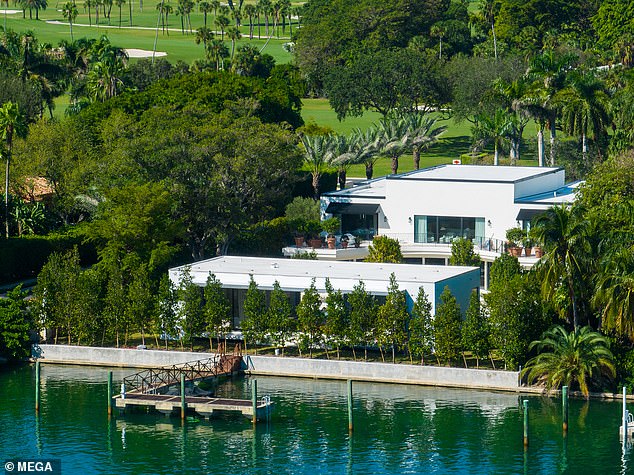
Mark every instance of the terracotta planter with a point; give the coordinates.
(299, 241)
(527, 251)
(331, 242)
(344, 244)
(515, 251)
(315, 243)
(539, 252)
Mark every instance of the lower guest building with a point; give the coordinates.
(295, 275)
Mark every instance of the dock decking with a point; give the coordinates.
(204, 406)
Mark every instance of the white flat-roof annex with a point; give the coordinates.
(235, 271)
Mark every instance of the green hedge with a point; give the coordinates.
(264, 239)
(23, 257)
(304, 186)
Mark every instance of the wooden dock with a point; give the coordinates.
(203, 406)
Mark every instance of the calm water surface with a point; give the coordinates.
(398, 429)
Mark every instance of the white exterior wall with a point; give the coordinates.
(407, 198)
(539, 184)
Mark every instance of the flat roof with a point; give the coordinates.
(300, 268)
(486, 173)
(565, 194)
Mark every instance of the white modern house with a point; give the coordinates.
(294, 276)
(427, 209)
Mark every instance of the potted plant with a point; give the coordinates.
(527, 242)
(357, 240)
(313, 228)
(331, 226)
(539, 252)
(514, 236)
(298, 229)
(344, 241)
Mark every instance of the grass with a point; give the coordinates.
(455, 142)
(178, 46)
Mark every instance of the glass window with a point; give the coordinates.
(420, 229)
(432, 228)
(435, 261)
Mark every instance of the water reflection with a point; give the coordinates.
(404, 429)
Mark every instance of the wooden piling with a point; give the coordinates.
(109, 393)
(350, 421)
(525, 422)
(37, 386)
(183, 403)
(564, 407)
(254, 400)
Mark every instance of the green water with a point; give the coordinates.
(398, 429)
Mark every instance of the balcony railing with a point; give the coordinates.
(480, 243)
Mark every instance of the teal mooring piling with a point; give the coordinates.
(109, 393)
(37, 386)
(183, 403)
(254, 400)
(525, 422)
(564, 407)
(350, 421)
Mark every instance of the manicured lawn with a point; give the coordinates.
(177, 45)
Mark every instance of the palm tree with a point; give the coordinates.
(548, 71)
(119, 4)
(366, 145)
(562, 233)
(204, 35)
(494, 128)
(216, 51)
(11, 125)
(315, 149)
(222, 22)
(206, 8)
(421, 133)
(392, 135)
(167, 9)
(250, 11)
(233, 33)
(583, 104)
(438, 31)
(513, 94)
(265, 8)
(579, 357)
(614, 292)
(89, 4)
(69, 9)
(489, 9)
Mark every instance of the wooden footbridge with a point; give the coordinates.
(149, 389)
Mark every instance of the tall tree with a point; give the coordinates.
(316, 150)
(310, 318)
(70, 12)
(15, 324)
(393, 318)
(166, 322)
(363, 310)
(447, 327)
(254, 323)
(217, 310)
(421, 328)
(475, 330)
(191, 311)
(337, 317)
(11, 125)
(562, 232)
(279, 316)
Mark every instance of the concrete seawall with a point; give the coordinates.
(286, 366)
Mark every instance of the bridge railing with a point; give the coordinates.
(150, 380)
